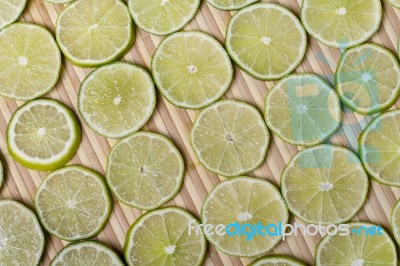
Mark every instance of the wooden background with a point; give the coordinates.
(21, 183)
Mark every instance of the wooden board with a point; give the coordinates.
(21, 183)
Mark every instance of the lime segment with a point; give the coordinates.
(277, 260)
(10, 11)
(230, 4)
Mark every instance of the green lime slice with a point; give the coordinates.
(341, 24)
(73, 203)
(146, 162)
(366, 244)
(30, 61)
(21, 237)
(394, 3)
(91, 33)
(256, 42)
(87, 253)
(230, 4)
(324, 184)
(43, 135)
(379, 148)
(277, 260)
(191, 69)
(302, 110)
(10, 11)
(117, 99)
(161, 237)
(230, 138)
(243, 200)
(368, 79)
(162, 17)
(395, 221)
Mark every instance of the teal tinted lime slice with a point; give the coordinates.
(277, 260)
(230, 4)
(10, 11)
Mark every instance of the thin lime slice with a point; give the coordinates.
(244, 200)
(277, 260)
(91, 33)
(379, 148)
(230, 4)
(395, 221)
(366, 244)
(368, 79)
(87, 253)
(43, 135)
(191, 69)
(256, 42)
(117, 99)
(230, 138)
(21, 237)
(162, 17)
(161, 237)
(73, 203)
(324, 184)
(10, 11)
(341, 24)
(30, 61)
(145, 162)
(394, 3)
(302, 110)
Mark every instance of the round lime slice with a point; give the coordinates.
(395, 221)
(230, 4)
(277, 260)
(10, 11)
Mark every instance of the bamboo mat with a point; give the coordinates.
(21, 183)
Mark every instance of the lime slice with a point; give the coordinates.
(92, 33)
(394, 3)
(21, 237)
(324, 184)
(145, 162)
(162, 17)
(43, 135)
(395, 221)
(87, 253)
(230, 138)
(367, 244)
(230, 4)
(117, 99)
(73, 203)
(379, 148)
(30, 61)
(243, 200)
(368, 79)
(302, 110)
(59, 1)
(161, 237)
(341, 24)
(10, 11)
(191, 69)
(256, 42)
(277, 260)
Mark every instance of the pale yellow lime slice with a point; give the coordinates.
(277, 260)
(395, 221)
(10, 11)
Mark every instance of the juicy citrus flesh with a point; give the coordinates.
(230, 4)
(303, 110)
(145, 162)
(230, 138)
(357, 248)
(43, 134)
(162, 17)
(87, 253)
(30, 61)
(21, 237)
(380, 148)
(91, 33)
(191, 69)
(324, 184)
(277, 260)
(10, 10)
(368, 79)
(161, 237)
(395, 221)
(73, 203)
(265, 51)
(340, 23)
(117, 99)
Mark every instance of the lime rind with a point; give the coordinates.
(15, 16)
(281, 260)
(230, 7)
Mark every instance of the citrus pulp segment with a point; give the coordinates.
(162, 17)
(30, 61)
(161, 237)
(395, 221)
(341, 24)
(146, 162)
(324, 184)
(368, 79)
(230, 4)
(303, 110)
(73, 203)
(256, 42)
(10, 11)
(379, 148)
(277, 260)
(117, 99)
(191, 69)
(91, 33)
